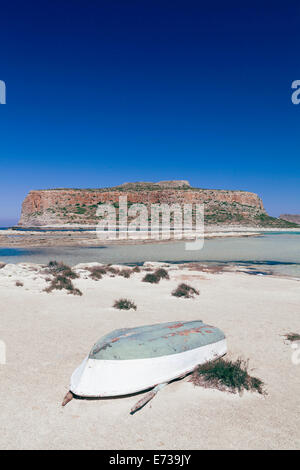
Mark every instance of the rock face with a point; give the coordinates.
(294, 218)
(78, 206)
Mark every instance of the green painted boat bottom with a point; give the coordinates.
(157, 340)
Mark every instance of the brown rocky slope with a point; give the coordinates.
(78, 206)
(294, 218)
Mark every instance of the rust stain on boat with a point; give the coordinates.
(177, 325)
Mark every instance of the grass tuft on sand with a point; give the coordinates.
(124, 304)
(228, 376)
(292, 337)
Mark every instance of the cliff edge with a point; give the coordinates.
(78, 206)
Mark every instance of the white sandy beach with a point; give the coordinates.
(48, 335)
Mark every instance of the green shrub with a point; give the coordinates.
(186, 291)
(124, 304)
(292, 337)
(80, 210)
(231, 376)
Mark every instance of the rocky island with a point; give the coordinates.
(77, 207)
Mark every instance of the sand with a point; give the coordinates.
(48, 335)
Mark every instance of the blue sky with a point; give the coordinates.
(103, 92)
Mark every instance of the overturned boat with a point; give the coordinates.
(132, 360)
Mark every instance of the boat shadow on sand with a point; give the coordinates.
(150, 393)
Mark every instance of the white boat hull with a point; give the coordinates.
(107, 378)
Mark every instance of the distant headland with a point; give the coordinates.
(62, 206)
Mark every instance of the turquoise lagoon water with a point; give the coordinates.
(275, 252)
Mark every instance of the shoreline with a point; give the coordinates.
(261, 253)
(35, 239)
(213, 267)
(86, 236)
(66, 237)
(208, 228)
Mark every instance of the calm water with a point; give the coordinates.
(278, 252)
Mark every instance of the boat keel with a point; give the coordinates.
(67, 398)
(141, 403)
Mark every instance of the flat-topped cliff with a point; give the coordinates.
(78, 206)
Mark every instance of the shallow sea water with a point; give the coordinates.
(277, 252)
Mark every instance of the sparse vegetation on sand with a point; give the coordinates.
(124, 304)
(61, 282)
(56, 267)
(155, 277)
(19, 284)
(292, 337)
(96, 272)
(125, 273)
(226, 375)
(185, 291)
(62, 275)
(112, 270)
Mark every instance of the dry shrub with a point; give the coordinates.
(61, 282)
(112, 270)
(185, 291)
(162, 273)
(152, 278)
(155, 277)
(124, 304)
(125, 273)
(96, 272)
(55, 268)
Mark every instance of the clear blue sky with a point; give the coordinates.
(103, 92)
